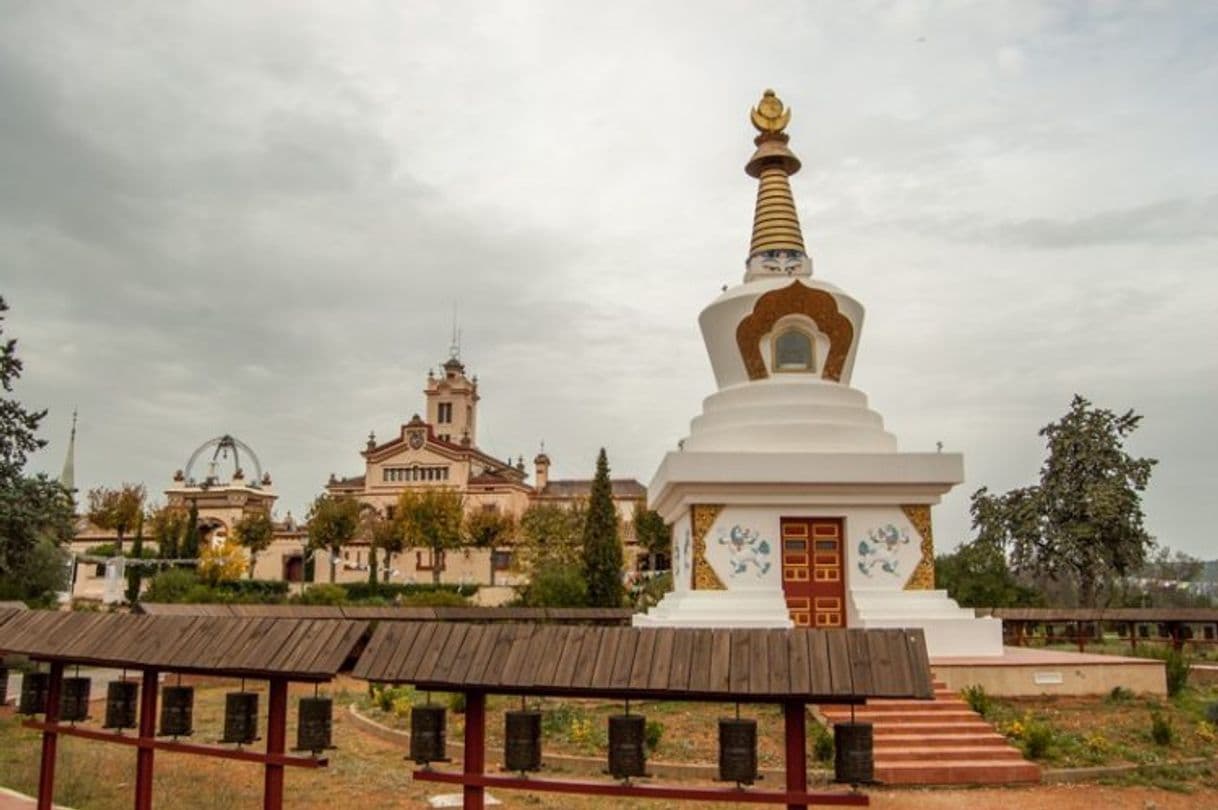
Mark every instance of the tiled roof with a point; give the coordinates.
(582, 488)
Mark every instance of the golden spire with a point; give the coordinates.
(775, 221)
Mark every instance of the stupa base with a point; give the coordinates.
(950, 630)
(729, 608)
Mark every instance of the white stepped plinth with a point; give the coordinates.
(739, 608)
(950, 629)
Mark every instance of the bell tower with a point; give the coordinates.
(452, 402)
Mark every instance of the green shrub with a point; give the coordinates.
(555, 585)
(434, 599)
(173, 585)
(264, 591)
(389, 592)
(386, 698)
(322, 595)
(822, 743)
(1119, 694)
(1161, 731)
(977, 699)
(456, 702)
(653, 732)
(1037, 738)
(1177, 668)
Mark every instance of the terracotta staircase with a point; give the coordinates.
(939, 742)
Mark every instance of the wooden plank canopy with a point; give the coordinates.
(299, 649)
(619, 616)
(754, 665)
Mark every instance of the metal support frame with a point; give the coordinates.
(144, 756)
(795, 796)
(50, 740)
(276, 738)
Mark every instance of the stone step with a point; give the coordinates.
(950, 753)
(907, 717)
(933, 728)
(886, 742)
(878, 706)
(971, 772)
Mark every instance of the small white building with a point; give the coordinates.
(791, 505)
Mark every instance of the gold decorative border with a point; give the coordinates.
(923, 577)
(796, 299)
(702, 517)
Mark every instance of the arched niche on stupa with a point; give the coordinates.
(786, 312)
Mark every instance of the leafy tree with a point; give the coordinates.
(333, 522)
(36, 514)
(551, 535)
(218, 563)
(977, 575)
(433, 518)
(554, 584)
(1083, 522)
(384, 535)
(653, 534)
(190, 541)
(489, 528)
(168, 529)
(254, 531)
(117, 510)
(135, 573)
(602, 559)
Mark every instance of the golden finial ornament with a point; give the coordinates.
(770, 116)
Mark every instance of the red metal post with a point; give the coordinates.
(144, 754)
(276, 738)
(475, 748)
(797, 750)
(50, 740)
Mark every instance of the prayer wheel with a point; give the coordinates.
(74, 706)
(34, 686)
(121, 700)
(315, 724)
(627, 756)
(240, 717)
(853, 755)
(3, 683)
(177, 711)
(737, 751)
(427, 734)
(522, 741)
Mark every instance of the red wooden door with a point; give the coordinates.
(812, 581)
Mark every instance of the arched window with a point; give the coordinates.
(793, 351)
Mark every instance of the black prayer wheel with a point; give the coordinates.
(315, 724)
(121, 700)
(522, 741)
(427, 734)
(240, 717)
(177, 711)
(627, 756)
(853, 754)
(34, 686)
(737, 750)
(3, 684)
(74, 705)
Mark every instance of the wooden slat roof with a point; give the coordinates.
(625, 662)
(301, 649)
(1107, 614)
(401, 614)
(12, 605)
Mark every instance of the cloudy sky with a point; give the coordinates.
(256, 218)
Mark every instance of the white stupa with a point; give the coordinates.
(790, 503)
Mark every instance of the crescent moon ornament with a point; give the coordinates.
(770, 116)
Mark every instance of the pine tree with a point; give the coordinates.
(602, 548)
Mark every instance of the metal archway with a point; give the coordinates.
(221, 447)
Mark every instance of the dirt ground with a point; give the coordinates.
(366, 772)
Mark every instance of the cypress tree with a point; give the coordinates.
(602, 548)
(190, 545)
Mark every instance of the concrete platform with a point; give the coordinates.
(1026, 672)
